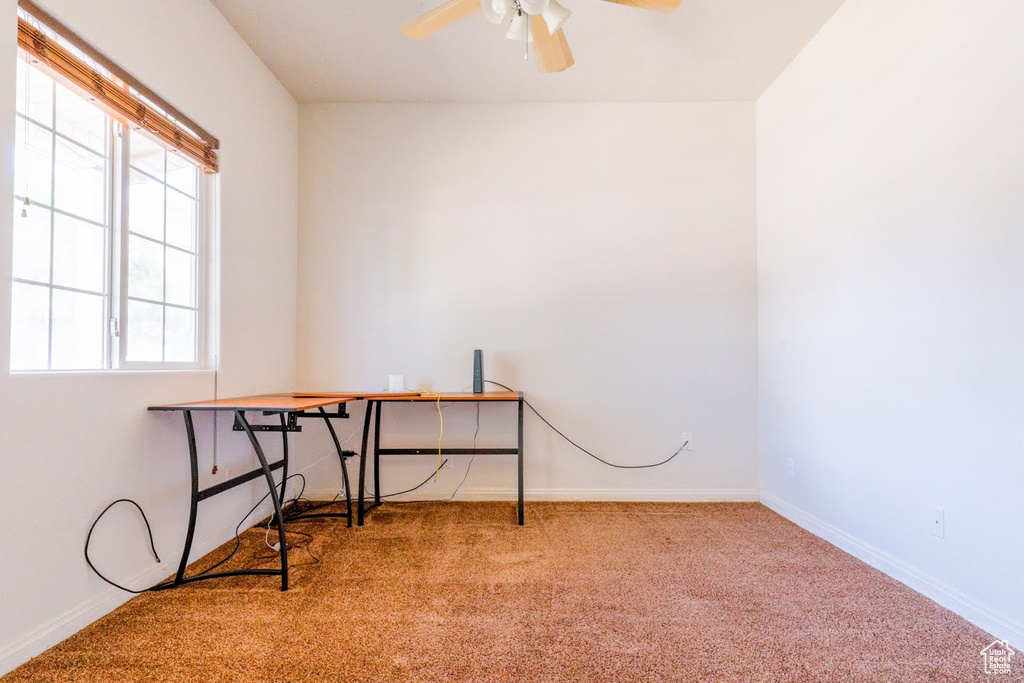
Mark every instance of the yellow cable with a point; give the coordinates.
(440, 434)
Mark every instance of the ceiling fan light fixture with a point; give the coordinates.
(530, 21)
(533, 6)
(519, 29)
(555, 15)
(497, 11)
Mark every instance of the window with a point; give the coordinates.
(60, 299)
(109, 257)
(163, 255)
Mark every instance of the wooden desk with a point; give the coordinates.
(377, 403)
(356, 394)
(269, 403)
(291, 407)
(450, 396)
(288, 408)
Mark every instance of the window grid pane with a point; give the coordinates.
(30, 327)
(33, 153)
(61, 228)
(77, 331)
(80, 181)
(145, 332)
(62, 237)
(35, 93)
(80, 120)
(31, 243)
(163, 262)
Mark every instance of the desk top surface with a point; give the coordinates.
(447, 396)
(356, 394)
(299, 401)
(279, 403)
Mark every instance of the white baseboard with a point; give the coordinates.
(75, 619)
(610, 495)
(999, 625)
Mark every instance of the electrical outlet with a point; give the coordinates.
(938, 522)
(687, 442)
(396, 383)
(790, 468)
(446, 464)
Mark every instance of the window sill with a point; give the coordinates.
(111, 373)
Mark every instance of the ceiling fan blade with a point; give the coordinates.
(437, 19)
(551, 50)
(656, 5)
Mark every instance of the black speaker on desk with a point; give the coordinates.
(478, 372)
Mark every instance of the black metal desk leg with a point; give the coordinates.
(521, 520)
(284, 456)
(194, 506)
(344, 469)
(278, 515)
(348, 491)
(376, 455)
(362, 464)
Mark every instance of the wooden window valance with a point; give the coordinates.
(116, 91)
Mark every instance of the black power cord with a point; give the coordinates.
(553, 428)
(471, 460)
(418, 486)
(238, 528)
(88, 538)
(434, 473)
(152, 545)
(581, 448)
(313, 505)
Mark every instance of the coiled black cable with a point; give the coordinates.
(152, 545)
(88, 538)
(581, 448)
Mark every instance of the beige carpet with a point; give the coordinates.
(583, 592)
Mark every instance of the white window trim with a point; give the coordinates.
(115, 341)
(56, 135)
(119, 285)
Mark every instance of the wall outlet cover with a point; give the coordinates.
(938, 522)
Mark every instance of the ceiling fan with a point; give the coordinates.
(533, 21)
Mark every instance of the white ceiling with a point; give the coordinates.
(352, 51)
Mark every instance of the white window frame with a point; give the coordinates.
(55, 135)
(115, 341)
(119, 249)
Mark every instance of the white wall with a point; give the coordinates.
(602, 256)
(69, 444)
(891, 256)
